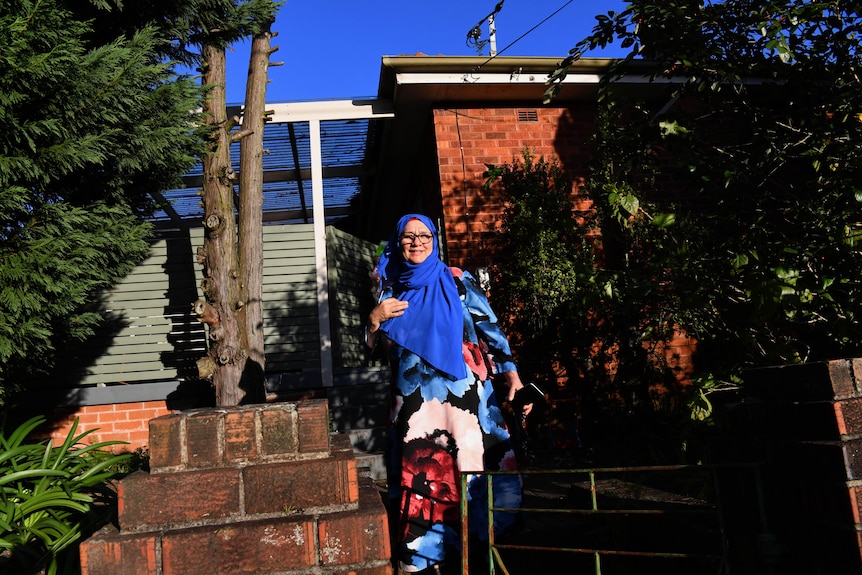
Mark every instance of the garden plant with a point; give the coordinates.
(52, 497)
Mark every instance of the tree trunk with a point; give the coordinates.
(251, 214)
(233, 258)
(221, 278)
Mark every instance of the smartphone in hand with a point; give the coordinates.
(528, 394)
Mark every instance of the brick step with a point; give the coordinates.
(371, 465)
(263, 489)
(259, 433)
(206, 496)
(367, 439)
(354, 541)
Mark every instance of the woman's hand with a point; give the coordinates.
(386, 309)
(514, 382)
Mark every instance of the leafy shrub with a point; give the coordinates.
(590, 312)
(51, 497)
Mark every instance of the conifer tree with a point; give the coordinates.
(232, 255)
(99, 123)
(92, 124)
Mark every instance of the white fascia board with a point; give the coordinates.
(330, 110)
(444, 78)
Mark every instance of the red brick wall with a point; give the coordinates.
(470, 138)
(678, 353)
(127, 422)
(498, 136)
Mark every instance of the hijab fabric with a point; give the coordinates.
(432, 326)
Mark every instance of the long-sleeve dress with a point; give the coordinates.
(440, 428)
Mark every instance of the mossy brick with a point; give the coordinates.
(313, 425)
(257, 547)
(204, 438)
(853, 458)
(278, 429)
(842, 378)
(301, 484)
(339, 444)
(848, 415)
(165, 442)
(854, 489)
(107, 552)
(150, 501)
(355, 537)
(240, 441)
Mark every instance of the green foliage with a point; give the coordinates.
(51, 497)
(538, 223)
(185, 24)
(758, 132)
(48, 275)
(585, 308)
(94, 126)
(137, 460)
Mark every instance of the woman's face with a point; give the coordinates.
(417, 242)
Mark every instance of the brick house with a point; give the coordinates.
(798, 424)
(338, 176)
(456, 116)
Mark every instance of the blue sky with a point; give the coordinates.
(332, 49)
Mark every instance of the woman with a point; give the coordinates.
(441, 338)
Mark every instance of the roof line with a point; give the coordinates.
(497, 64)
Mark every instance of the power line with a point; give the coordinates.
(522, 36)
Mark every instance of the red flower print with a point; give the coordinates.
(429, 481)
(475, 359)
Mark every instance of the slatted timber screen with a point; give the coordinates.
(291, 334)
(149, 331)
(350, 295)
(151, 334)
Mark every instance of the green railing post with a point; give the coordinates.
(490, 524)
(465, 534)
(595, 499)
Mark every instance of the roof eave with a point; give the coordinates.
(461, 78)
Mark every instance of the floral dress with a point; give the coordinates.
(440, 428)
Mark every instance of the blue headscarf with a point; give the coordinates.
(432, 326)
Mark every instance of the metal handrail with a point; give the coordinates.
(495, 560)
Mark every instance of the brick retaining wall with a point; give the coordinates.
(260, 489)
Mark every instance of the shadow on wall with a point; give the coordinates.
(56, 392)
(187, 335)
(147, 347)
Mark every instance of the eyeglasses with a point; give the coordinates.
(412, 238)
